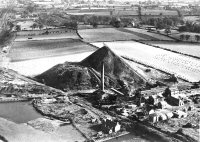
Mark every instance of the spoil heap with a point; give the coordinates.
(86, 74)
(115, 67)
(13, 83)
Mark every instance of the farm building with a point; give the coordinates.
(174, 101)
(110, 126)
(160, 115)
(179, 114)
(155, 99)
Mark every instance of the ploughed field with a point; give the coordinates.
(185, 48)
(46, 48)
(185, 67)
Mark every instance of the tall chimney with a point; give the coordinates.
(102, 77)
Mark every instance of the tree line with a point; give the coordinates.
(190, 27)
(162, 22)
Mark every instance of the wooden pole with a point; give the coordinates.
(102, 77)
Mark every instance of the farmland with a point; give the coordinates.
(43, 64)
(191, 38)
(147, 35)
(43, 54)
(49, 37)
(46, 48)
(158, 12)
(106, 34)
(182, 66)
(111, 34)
(121, 12)
(185, 48)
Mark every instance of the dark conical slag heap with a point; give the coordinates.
(114, 66)
(86, 74)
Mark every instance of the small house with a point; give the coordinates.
(179, 114)
(162, 105)
(155, 99)
(175, 101)
(109, 126)
(48, 100)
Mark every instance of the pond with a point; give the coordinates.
(19, 112)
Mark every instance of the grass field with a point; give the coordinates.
(147, 35)
(182, 66)
(46, 48)
(114, 34)
(34, 57)
(37, 66)
(106, 34)
(49, 36)
(157, 12)
(185, 48)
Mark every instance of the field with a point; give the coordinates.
(147, 35)
(47, 48)
(49, 37)
(182, 66)
(157, 12)
(191, 39)
(114, 34)
(185, 48)
(192, 18)
(38, 66)
(106, 34)
(34, 57)
(121, 12)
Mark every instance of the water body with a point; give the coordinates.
(19, 112)
(128, 138)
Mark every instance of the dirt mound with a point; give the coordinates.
(86, 74)
(68, 76)
(13, 83)
(115, 67)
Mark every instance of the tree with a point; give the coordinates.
(168, 30)
(115, 22)
(182, 37)
(140, 12)
(167, 92)
(18, 28)
(187, 37)
(11, 25)
(30, 8)
(40, 26)
(95, 24)
(71, 24)
(179, 13)
(197, 37)
(34, 26)
(93, 21)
